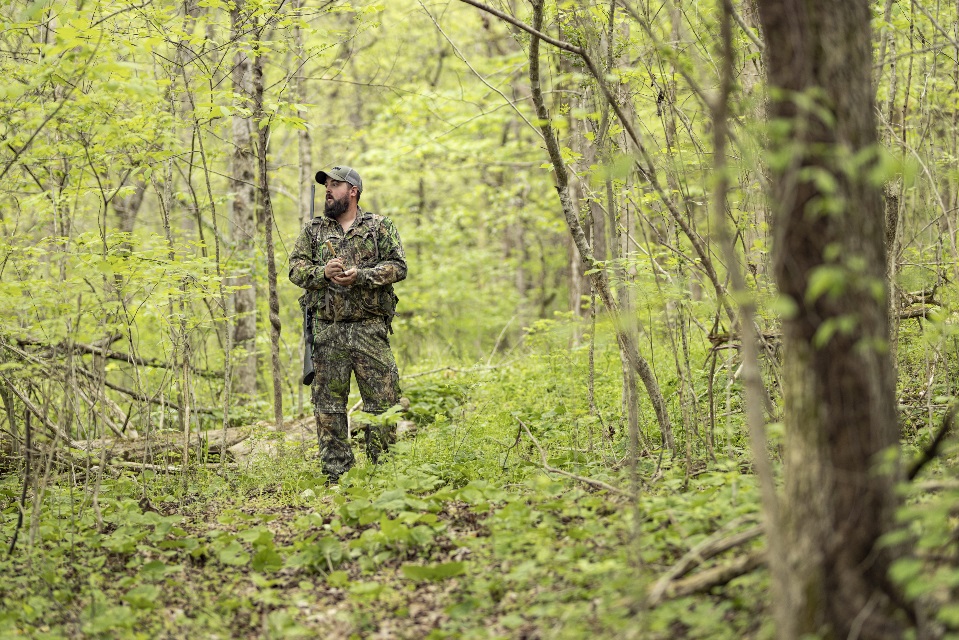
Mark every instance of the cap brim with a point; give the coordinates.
(321, 177)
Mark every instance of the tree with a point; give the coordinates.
(243, 186)
(839, 395)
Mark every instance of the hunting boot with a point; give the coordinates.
(336, 454)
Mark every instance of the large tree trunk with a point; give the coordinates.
(830, 260)
(243, 186)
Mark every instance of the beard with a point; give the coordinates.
(335, 208)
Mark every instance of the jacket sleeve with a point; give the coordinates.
(392, 265)
(305, 272)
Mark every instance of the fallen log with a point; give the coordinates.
(716, 576)
(711, 546)
(162, 442)
(918, 312)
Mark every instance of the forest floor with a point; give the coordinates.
(489, 520)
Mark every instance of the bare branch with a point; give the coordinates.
(54, 429)
(560, 44)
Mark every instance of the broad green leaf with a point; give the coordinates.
(434, 572)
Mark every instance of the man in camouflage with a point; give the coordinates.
(347, 260)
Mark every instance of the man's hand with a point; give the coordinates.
(346, 278)
(333, 268)
(335, 273)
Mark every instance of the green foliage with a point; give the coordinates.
(100, 107)
(462, 506)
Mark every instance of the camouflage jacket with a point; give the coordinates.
(372, 245)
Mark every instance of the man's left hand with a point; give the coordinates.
(346, 278)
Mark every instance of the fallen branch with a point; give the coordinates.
(923, 296)
(716, 576)
(930, 486)
(159, 443)
(718, 339)
(111, 354)
(920, 312)
(595, 483)
(169, 467)
(711, 546)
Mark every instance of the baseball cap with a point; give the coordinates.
(343, 174)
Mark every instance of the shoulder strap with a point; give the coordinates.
(377, 221)
(315, 228)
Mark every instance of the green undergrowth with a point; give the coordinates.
(461, 533)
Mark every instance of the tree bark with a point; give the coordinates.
(839, 391)
(243, 186)
(266, 208)
(128, 206)
(305, 151)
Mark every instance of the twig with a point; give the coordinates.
(721, 338)
(453, 369)
(519, 436)
(33, 409)
(22, 507)
(596, 483)
(110, 385)
(749, 32)
(462, 57)
(143, 397)
(499, 339)
(938, 27)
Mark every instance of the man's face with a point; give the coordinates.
(337, 198)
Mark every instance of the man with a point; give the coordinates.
(347, 260)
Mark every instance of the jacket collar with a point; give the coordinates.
(361, 216)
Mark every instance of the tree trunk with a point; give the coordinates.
(266, 208)
(243, 186)
(305, 149)
(839, 389)
(128, 206)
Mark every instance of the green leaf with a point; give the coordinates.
(434, 572)
(233, 554)
(827, 279)
(267, 560)
(338, 579)
(143, 596)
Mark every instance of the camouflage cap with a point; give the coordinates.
(343, 174)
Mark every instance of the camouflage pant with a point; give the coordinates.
(363, 349)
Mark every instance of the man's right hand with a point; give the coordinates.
(333, 268)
